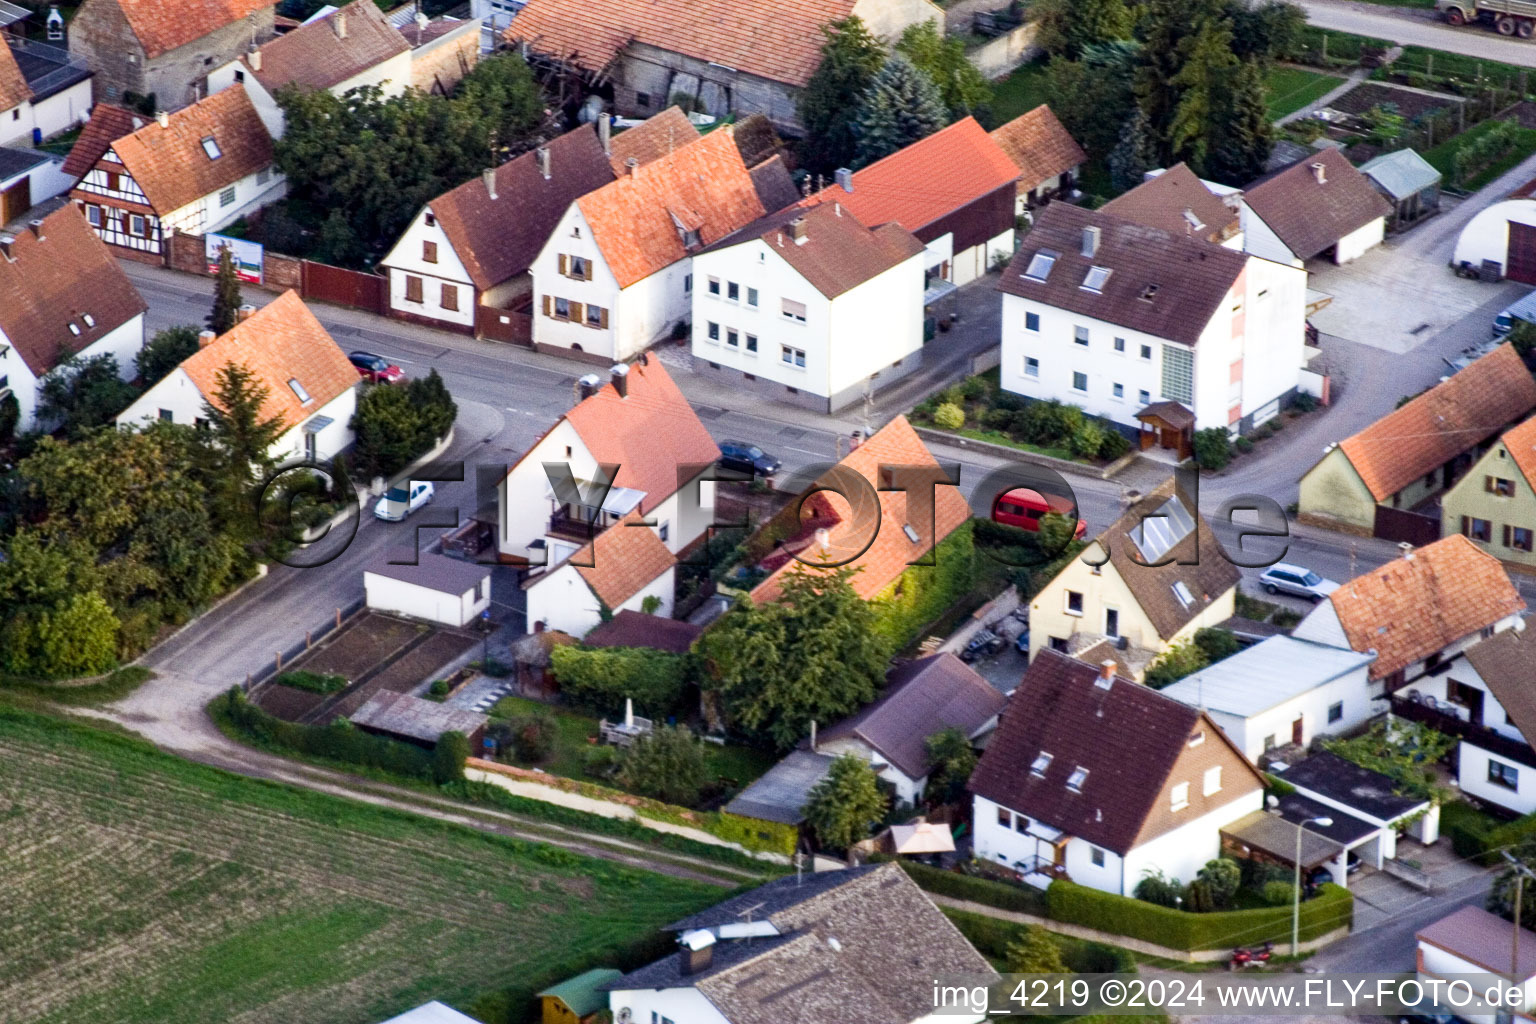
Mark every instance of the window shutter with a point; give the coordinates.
(576, 313)
(587, 268)
(1506, 535)
(1466, 526)
(564, 264)
(604, 323)
(549, 310)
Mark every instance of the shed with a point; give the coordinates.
(401, 716)
(629, 628)
(780, 793)
(1410, 183)
(577, 1000)
(437, 588)
(1503, 235)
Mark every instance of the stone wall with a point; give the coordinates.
(438, 66)
(997, 57)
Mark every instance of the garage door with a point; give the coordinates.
(1522, 253)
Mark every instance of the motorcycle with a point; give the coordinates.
(1257, 956)
(983, 645)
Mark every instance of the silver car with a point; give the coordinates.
(1299, 581)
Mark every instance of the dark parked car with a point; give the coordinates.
(747, 458)
(376, 368)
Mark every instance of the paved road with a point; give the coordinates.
(1418, 27)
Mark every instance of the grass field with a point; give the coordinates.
(1019, 93)
(1290, 89)
(141, 888)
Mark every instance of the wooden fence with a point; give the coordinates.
(279, 273)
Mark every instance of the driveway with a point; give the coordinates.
(1416, 27)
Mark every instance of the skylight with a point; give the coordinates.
(1040, 265)
(1041, 764)
(90, 321)
(1077, 778)
(1094, 282)
(298, 389)
(74, 328)
(1181, 591)
(211, 147)
(1160, 531)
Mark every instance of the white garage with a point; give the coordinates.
(1505, 234)
(438, 589)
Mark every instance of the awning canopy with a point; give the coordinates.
(1172, 413)
(922, 837)
(619, 501)
(317, 424)
(1274, 836)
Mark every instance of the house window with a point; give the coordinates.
(714, 286)
(1335, 712)
(1059, 643)
(597, 316)
(713, 331)
(642, 99)
(413, 289)
(1096, 855)
(429, 252)
(430, 219)
(1080, 335)
(1031, 366)
(93, 215)
(167, 416)
(1504, 775)
(579, 267)
(664, 529)
(451, 297)
(1120, 345)
(1180, 796)
(1519, 538)
(1144, 396)
(1031, 321)
(1477, 529)
(1119, 390)
(136, 225)
(732, 338)
(239, 76)
(657, 1018)
(1020, 823)
(1041, 763)
(752, 297)
(1112, 622)
(1498, 485)
(211, 147)
(562, 309)
(227, 197)
(1212, 783)
(1429, 479)
(752, 343)
(1074, 602)
(1005, 817)
(1178, 374)
(1079, 381)
(90, 321)
(298, 391)
(112, 182)
(733, 291)
(264, 175)
(793, 310)
(687, 284)
(1077, 778)
(792, 356)
(1146, 352)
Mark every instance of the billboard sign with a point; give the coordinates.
(247, 255)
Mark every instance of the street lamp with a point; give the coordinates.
(1521, 874)
(1296, 896)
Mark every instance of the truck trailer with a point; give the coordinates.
(1508, 17)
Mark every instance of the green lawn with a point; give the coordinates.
(143, 888)
(1019, 93)
(1443, 156)
(1290, 89)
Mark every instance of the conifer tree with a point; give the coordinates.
(226, 295)
(850, 58)
(900, 106)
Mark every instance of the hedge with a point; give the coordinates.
(924, 592)
(314, 682)
(977, 890)
(992, 936)
(1506, 836)
(339, 741)
(598, 679)
(1468, 828)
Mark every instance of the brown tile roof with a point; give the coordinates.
(1449, 418)
(623, 560)
(1506, 661)
(922, 697)
(629, 628)
(838, 253)
(779, 41)
(1039, 146)
(14, 90)
(928, 180)
(775, 188)
(1308, 216)
(106, 126)
(1418, 604)
(1164, 201)
(1128, 738)
(1162, 284)
(162, 27)
(1206, 581)
(638, 220)
(172, 168)
(650, 433)
(1474, 934)
(881, 561)
(282, 341)
(314, 56)
(497, 239)
(757, 139)
(52, 283)
(657, 136)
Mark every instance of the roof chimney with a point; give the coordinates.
(1090, 241)
(37, 228)
(204, 338)
(620, 376)
(543, 158)
(697, 951)
(489, 177)
(605, 133)
(422, 21)
(163, 118)
(1320, 172)
(824, 540)
(587, 386)
(1106, 674)
(244, 313)
(632, 165)
(1406, 548)
(339, 23)
(797, 230)
(6, 241)
(844, 178)
(254, 60)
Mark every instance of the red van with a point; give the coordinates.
(1023, 507)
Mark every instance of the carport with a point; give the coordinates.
(1271, 838)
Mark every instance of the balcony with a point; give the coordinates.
(1452, 723)
(579, 528)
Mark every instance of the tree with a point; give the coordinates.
(844, 803)
(1242, 132)
(1093, 96)
(236, 424)
(84, 393)
(850, 58)
(1221, 878)
(1523, 337)
(1213, 448)
(1155, 887)
(812, 656)
(507, 96)
(10, 416)
(1501, 895)
(942, 58)
(1265, 32)
(1199, 82)
(436, 408)
(1406, 753)
(1066, 28)
(337, 243)
(900, 106)
(666, 765)
(78, 638)
(397, 425)
(342, 488)
(164, 352)
(1034, 951)
(1135, 154)
(1174, 664)
(448, 757)
(1216, 643)
(226, 295)
(951, 759)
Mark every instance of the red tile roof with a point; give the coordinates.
(1167, 201)
(1039, 146)
(623, 560)
(927, 180)
(14, 90)
(881, 561)
(106, 126)
(1419, 604)
(1521, 445)
(657, 136)
(280, 342)
(162, 26)
(314, 56)
(52, 283)
(702, 186)
(774, 39)
(838, 253)
(171, 165)
(629, 628)
(1444, 421)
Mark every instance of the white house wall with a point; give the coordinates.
(122, 343)
(207, 214)
(50, 115)
(687, 514)
(562, 600)
(1437, 963)
(875, 327)
(1182, 852)
(420, 602)
(266, 107)
(1486, 236)
(525, 502)
(680, 1005)
(1260, 240)
(1352, 690)
(1472, 777)
(1355, 244)
(406, 260)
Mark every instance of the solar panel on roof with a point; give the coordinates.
(1160, 531)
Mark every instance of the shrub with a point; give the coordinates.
(996, 419)
(533, 736)
(1332, 908)
(1217, 643)
(666, 765)
(949, 416)
(1222, 876)
(1115, 445)
(1035, 952)
(439, 688)
(599, 679)
(1243, 445)
(976, 890)
(1155, 887)
(601, 761)
(1086, 441)
(448, 758)
(1279, 894)
(315, 682)
(1174, 664)
(1048, 423)
(973, 388)
(1470, 830)
(1213, 449)
(339, 741)
(1304, 402)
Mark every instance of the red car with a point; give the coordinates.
(1023, 507)
(376, 368)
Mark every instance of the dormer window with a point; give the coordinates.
(691, 240)
(431, 219)
(211, 147)
(1077, 778)
(1096, 279)
(1041, 764)
(90, 321)
(1181, 591)
(74, 328)
(298, 391)
(1040, 265)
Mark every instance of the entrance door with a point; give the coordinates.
(1296, 731)
(15, 200)
(1521, 258)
